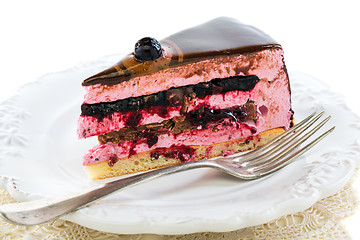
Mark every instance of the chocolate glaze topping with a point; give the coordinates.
(219, 37)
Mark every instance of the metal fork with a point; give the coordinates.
(250, 165)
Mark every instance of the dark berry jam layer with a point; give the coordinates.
(183, 153)
(179, 96)
(203, 117)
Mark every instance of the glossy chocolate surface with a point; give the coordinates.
(219, 37)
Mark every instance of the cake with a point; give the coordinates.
(211, 90)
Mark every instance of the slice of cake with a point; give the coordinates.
(214, 89)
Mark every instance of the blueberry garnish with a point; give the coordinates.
(147, 49)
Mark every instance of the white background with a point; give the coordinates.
(320, 38)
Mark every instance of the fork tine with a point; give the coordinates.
(274, 141)
(285, 142)
(298, 142)
(283, 162)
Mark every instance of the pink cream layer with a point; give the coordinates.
(272, 98)
(265, 64)
(104, 152)
(273, 105)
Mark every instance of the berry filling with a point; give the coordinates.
(180, 96)
(183, 153)
(202, 118)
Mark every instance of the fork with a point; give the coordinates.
(254, 164)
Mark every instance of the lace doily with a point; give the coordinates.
(321, 221)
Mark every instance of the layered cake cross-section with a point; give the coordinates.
(215, 89)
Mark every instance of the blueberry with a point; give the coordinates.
(147, 49)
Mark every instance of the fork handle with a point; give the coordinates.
(44, 210)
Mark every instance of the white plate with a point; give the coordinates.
(40, 156)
